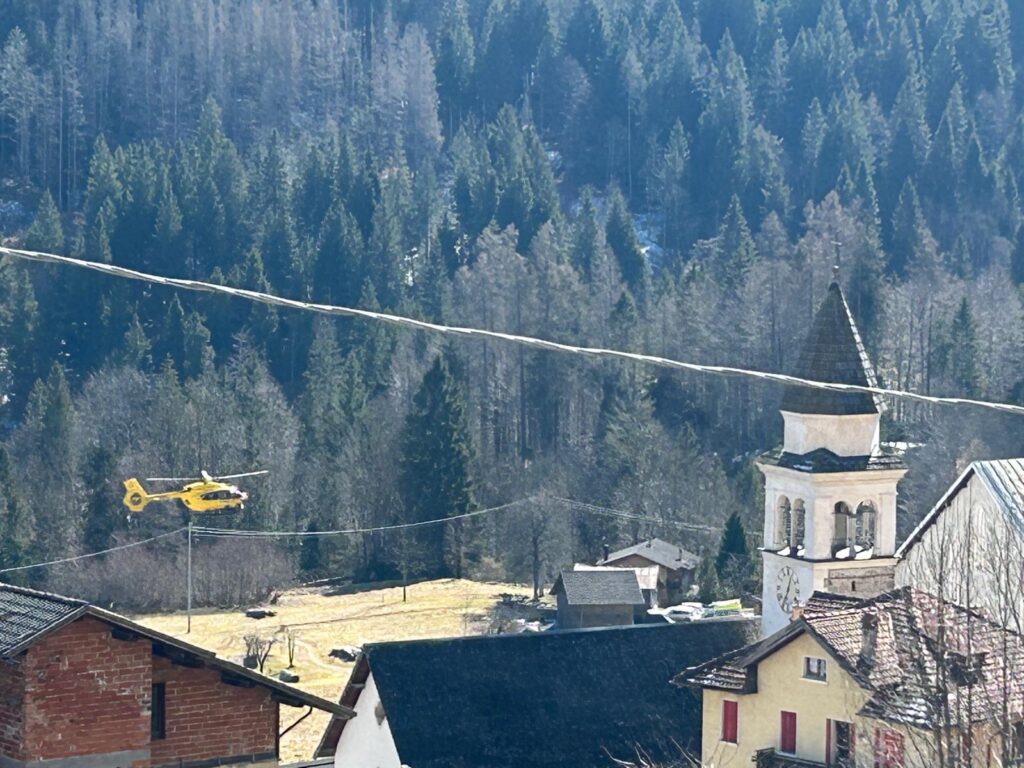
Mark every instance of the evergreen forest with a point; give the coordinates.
(676, 177)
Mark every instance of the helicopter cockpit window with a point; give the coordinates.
(218, 496)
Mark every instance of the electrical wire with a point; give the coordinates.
(464, 332)
(228, 533)
(243, 534)
(94, 554)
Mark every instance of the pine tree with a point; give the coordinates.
(963, 366)
(16, 529)
(735, 248)
(622, 239)
(733, 563)
(435, 471)
(46, 233)
(708, 589)
(103, 503)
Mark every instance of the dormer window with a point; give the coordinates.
(815, 669)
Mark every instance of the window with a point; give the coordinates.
(158, 713)
(839, 744)
(729, 721)
(787, 736)
(814, 669)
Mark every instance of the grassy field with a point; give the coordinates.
(322, 622)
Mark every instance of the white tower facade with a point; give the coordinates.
(830, 490)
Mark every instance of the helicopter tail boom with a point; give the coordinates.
(135, 496)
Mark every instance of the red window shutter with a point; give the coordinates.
(729, 721)
(828, 742)
(787, 739)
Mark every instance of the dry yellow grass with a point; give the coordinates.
(434, 609)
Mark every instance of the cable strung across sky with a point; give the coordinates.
(480, 333)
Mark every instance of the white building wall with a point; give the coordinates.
(850, 435)
(971, 555)
(365, 742)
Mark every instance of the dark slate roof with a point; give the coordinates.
(545, 699)
(1004, 479)
(617, 587)
(657, 551)
(26, 615)
(833, 352)
(823, 461)
(922, 643)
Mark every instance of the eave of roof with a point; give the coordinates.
(286, 693)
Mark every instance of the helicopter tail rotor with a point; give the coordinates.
(135, 496)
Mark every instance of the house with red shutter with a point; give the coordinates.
(81, 687)
(900, 680)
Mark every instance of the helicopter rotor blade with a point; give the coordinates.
(171, 479)
(243, 474)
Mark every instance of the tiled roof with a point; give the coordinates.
(833, 352)
(646, 576)
(1004, 478)
(26, 613)
(822, 460)
(605, 587)
(657, 551)
(929, 656)
(571, 699)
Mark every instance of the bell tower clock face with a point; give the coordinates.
(787, 589)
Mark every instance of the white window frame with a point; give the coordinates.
(822, 665)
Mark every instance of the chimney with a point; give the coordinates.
(650, 542)
(797, 612)
(868, 639)
(604, 548)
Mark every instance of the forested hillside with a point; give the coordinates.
(673, 176)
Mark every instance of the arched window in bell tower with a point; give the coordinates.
(799, 518)
(864, 525)
(843, 530)
(783, 523)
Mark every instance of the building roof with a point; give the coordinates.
(28, 615)
(617, 586)
(547, 699)
(824, 461)
(659, 552)
(929, 655)
(833, 352)
(646, 576)
(1004, 479)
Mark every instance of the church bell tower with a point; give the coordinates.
(830, 490)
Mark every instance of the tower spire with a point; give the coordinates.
(833, 352)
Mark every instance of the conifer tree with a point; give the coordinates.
(733, 563)
(435, 471)
(46, 233)
(622, 239)
(103, 504)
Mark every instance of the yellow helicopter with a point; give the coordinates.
(203, 495)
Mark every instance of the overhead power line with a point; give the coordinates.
(94, 554)
(469, 333)
(237, 533)
(243, 534)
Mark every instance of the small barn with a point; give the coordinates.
(676, 566)
(602, 598)
(81, 687)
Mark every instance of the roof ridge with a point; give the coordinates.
(7, 587)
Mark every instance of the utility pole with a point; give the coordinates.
(188, 603)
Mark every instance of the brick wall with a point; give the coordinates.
(79, 691)
(12, 696)
(208, 718)
(86, 693)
